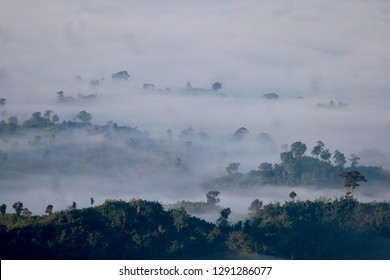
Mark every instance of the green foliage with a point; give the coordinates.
(139, 229)
(342, 229)
(351, 180)
(199, 207)
(297, 169)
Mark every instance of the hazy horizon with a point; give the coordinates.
(309, 53)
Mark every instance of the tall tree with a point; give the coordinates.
(325, 155)
(18, 206)
(255, 206)
(298, 149)
(292, 195)
(339, 159)
(49, 209)
(351, 180)
(354, 160)
(3, 208)
(232, 168)
(318, 148)
(84, 116)
(216, 86)
(212, 197)
(223, 218)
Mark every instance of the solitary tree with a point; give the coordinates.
(351, 180)
(224, 215)
(255, 206)
(73, 206)
(318, 148)
(3, 208)
(212, 197)
(232, 168)
(18, 206)
(216, 86)
(240, 133)
(292, 195)
(49, 209)
(339, 159)
(354, 160)
(84, 116)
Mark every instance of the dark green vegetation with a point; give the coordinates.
(341, 229)
(321, 229)
(43, 144)
(297, 169)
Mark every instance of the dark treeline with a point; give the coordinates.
(139, 229)
(298, 169)
(131, 146)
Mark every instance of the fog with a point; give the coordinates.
(327, 61)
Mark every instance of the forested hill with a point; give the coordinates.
(43, 144)
(321, 229)
(298, 169)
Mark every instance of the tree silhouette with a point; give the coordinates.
(73, 206)
(318, 148)
(224, 215)
(84, 116)
(351, 180)
(216, 86)
(240, 133)
(18, 206)
(339, 159)
(354, 160)
(3, 208)
(212, 197)
(49, 209)
(255, 206)
(292, 195)
(298, 149)
(232, 168)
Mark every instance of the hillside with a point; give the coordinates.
(139, 229)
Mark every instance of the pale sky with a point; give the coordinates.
(301, 46)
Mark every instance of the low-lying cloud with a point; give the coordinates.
(325, 52)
